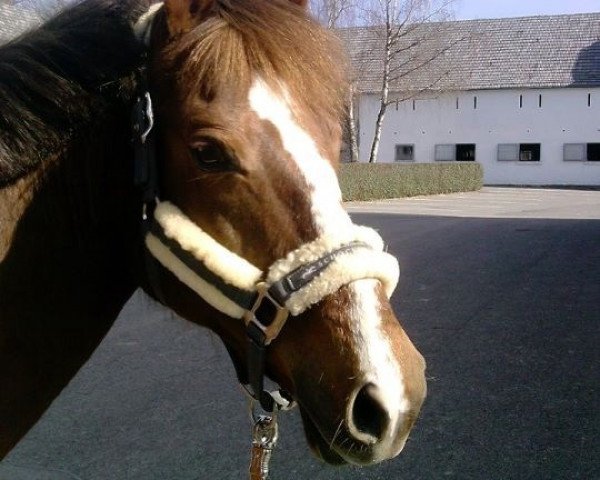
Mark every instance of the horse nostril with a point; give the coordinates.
(368, 414)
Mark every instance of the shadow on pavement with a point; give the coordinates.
(505, 312)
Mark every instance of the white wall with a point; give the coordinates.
(563, 118)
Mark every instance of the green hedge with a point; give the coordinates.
(365, 181)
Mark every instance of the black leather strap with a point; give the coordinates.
(299, 278)
(242, 298)
(145, 173)
(256, 367)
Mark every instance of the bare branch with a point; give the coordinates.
(408, 43)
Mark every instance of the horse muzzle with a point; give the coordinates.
(371, 431)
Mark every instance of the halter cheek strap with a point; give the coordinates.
(223, 279)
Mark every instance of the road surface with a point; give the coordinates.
(505, 310)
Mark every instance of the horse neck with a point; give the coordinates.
(68, 242)
(59, 78)
(69, 216)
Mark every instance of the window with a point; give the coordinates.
(589, 99)
(508, 152)
(529, 152)
(581, 152)
(520, 101)
(462, 152)
(574, 152)
(540, 101)
(519, 152)
(445, 153)
(593, 152)
(465, 152)
(405, 153)
(475, 103)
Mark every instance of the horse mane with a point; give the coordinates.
(61, 77)
(272, 38)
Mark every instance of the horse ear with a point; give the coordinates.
(301, 3)
(183, 15)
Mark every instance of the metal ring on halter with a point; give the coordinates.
(145, 208)
(254, 406)
(279, 400)
(149, 116)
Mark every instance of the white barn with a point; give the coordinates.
(521, 96)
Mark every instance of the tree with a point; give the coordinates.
(335, 13)
(409, 41)
(399, 39)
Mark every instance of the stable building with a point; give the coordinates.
(521, 96)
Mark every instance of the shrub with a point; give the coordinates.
(367, 181)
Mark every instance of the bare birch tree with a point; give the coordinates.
(409, 38)
(334, 13)
(409, 41)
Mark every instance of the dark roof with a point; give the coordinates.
(527, 52)
(15, 20)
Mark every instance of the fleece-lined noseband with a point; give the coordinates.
(231, 284)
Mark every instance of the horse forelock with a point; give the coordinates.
(273, 40)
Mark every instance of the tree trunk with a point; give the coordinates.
(377, 135)
(385, 87)
(383, 100)
(352, 128)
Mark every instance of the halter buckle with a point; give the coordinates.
(266, 314)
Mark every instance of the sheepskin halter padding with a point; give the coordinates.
(370, 261)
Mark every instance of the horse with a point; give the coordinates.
(225, 207)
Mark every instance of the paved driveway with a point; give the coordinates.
(504, 309)
(495, 202)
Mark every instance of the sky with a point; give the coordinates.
(472, 9)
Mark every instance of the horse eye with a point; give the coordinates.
(211, 157)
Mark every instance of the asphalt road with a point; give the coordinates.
(505, 310)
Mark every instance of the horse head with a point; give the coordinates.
(249, 96)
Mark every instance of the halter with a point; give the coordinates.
(235, 287)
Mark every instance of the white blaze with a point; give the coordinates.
(326, 204)
(378, 363)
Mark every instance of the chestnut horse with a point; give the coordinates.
(247, 97)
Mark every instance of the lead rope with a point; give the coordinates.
(265, 433)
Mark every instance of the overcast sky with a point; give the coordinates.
(469, 9)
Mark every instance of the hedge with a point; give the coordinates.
(367, 181)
